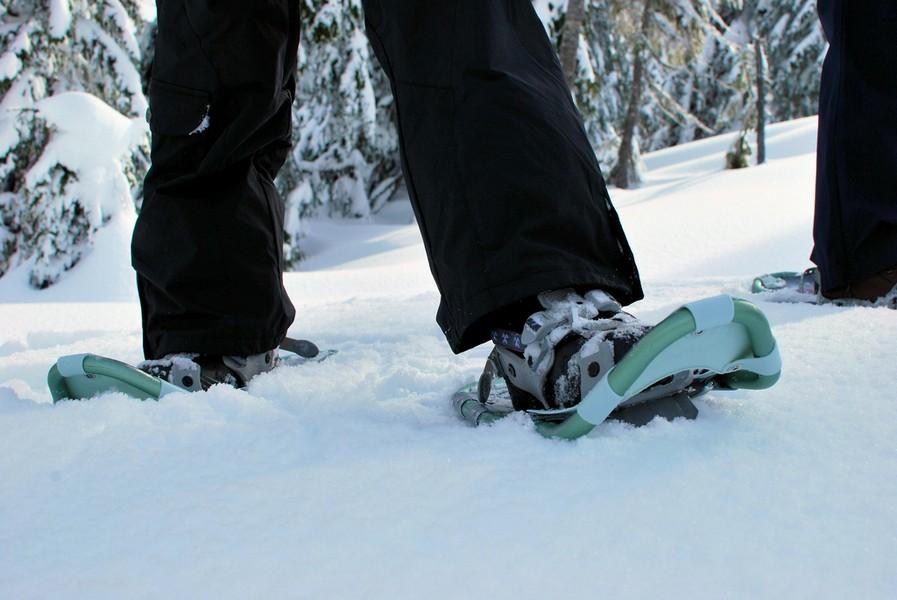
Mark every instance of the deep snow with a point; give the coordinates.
(352, 478)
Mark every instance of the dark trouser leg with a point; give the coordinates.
(504, 183)
(856, 187)
(208, 245)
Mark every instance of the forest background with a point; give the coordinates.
(646, 74)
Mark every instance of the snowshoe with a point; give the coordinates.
(716, 343)
(805, 287)
(83, 376)
(804, 283)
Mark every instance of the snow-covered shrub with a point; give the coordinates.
(79, 181)
(739, 156)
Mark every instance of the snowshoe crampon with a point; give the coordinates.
(719, 343)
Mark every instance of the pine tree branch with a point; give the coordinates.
(679, 114)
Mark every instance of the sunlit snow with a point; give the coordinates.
(353, 478)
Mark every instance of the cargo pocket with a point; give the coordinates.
(180, 119)
(178, 111)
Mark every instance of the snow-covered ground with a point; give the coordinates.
(353, 478)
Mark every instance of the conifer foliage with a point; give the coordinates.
(53, 199)
(645, 75)
(796, 47)
(345, 160)
(657, 73)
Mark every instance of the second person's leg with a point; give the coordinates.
(856, 189)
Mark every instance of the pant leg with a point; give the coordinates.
(856, 187)
(503, 180)
(208, 243)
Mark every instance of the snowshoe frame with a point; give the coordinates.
(87, 375)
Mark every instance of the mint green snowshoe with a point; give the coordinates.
(716, 343)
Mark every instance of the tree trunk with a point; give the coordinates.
(570, 38)
(625, 173)
(761, 100)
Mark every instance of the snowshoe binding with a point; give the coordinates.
(82, 376)
(195, 372)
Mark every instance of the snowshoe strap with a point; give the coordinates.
(508, 339)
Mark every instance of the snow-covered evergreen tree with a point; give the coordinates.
(697, 72)
(694, 78)
(701, 83)
(345, 161)
(48, 213)
(714, 90)
(599, 68)
(697, 68)
(684, 80)
(796, 47)
(603, 71)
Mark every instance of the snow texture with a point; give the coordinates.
(60, 18)
(90, 139)
(353, 479)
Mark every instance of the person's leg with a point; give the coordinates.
(856, 190)
(504, 183)
(208, 245)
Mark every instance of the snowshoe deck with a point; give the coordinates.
(468, 406)
(725, 343)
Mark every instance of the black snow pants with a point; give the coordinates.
(856, 186)
(505, 186)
